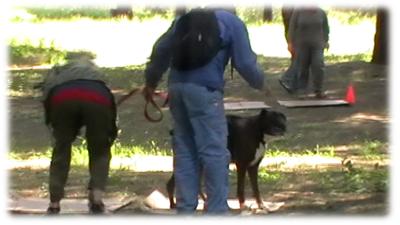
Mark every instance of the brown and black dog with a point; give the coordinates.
(247, 146)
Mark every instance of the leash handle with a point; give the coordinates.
(146, 113)
(151, 101)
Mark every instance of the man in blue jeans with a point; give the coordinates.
(196, 105)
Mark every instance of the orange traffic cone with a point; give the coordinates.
(351, 95)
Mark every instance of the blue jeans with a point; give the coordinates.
(290, 75)
(200, 147)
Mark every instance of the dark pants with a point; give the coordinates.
(310, 58)
(66, 116)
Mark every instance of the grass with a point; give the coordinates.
(79, 152)
(21, 82)
(28, 53)
(332, 59)
(333, 180)
(352, 179)
(370, 150)
(359, 180)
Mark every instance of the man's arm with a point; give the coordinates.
(159, 59)
(243, 58)
(292, 31)
(325, 27)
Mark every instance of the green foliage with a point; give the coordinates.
(348, 16)
(28, 53)
(366, 57)
(68, 13)
(151, 12)
(41, 14)
(250, 15)
(266, 176)
(351, 16)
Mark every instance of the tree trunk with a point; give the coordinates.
(380, 52)
(267, 13)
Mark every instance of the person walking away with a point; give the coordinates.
(308, 36)
(288, 78)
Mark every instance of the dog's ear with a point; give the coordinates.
(264, 113)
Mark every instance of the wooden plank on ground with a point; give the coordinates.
(313, 103)
(244, 105)
(68, 206)
(157, 201)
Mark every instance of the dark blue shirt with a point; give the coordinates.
(235, 40)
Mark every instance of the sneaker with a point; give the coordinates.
(285, 86)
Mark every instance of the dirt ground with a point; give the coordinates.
(343, 127)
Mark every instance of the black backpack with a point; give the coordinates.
(196, 39)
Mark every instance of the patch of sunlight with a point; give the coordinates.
(13, 93)
(292, 162)
(143, 163)
(268, 39)
(121, 43)
(164, 163)
(40, 163)
(115, 43)
(351, 39)
(363, 117)
(135, 163)
(234, 99)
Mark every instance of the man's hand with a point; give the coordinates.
(291, 48)
(326, 45)
(147, 93)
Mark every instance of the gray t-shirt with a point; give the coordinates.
(73, 70)
(309, 26)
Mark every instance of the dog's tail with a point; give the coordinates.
(259, 154)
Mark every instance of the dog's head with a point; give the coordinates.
(273, 122)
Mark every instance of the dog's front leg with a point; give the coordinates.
(241, 173)
(253, 174)
(171, 190)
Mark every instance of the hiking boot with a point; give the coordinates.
(96, 205)
(53, 210)
(96, 208)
